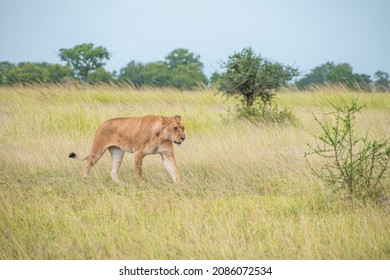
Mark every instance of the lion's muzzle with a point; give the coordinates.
(179, 142)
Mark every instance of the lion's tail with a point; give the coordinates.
(74, 156)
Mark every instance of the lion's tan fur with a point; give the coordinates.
(139, 135)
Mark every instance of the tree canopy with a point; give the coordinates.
(84, 58)
(28, 72)
(180, 69)
(330, 73)
(252, 76)
(382, 81)
(255, 75)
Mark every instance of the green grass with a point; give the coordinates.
(247, 192)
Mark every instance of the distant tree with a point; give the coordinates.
(251, 76)
(5, 68)
(186, 77)
(26, 72)
(215, 76)
(362, 82)
(330, 73)
(382, 81)
(181, 56)
(156, 74)
(317, 76)
(84, 59)
(181, 69)
(100, 75)
(151, 74)
(132, 73)
(56, 73)
(186, 69)
(341, 74)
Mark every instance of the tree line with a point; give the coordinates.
(330, 73)
(181, 69)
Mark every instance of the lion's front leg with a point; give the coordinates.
(138, 157)
(170, 165)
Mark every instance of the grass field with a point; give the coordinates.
(246, 191)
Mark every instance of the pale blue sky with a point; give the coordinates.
(300, 32)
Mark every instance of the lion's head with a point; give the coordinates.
(174, 129)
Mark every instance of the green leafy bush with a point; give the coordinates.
(260, 113)
(253, 77)
(353, 164)
(254, 80)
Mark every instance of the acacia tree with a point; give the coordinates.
(252, 76)
(382, 81)
(84, 58)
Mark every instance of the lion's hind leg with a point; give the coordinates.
(117, 158)
(93, 158)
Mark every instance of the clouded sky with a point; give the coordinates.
(304, 33)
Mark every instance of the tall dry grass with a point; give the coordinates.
(247, 192)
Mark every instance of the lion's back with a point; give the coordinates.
(129, 131)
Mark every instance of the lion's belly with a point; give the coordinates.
(126, 146)
(123, 144)
(131, 147)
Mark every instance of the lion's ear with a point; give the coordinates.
(177, 117)
(164, 121)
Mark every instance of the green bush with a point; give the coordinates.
(260, 113)
(253, 77)
(353, 164)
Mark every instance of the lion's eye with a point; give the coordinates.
(176, 128)
(182, 128)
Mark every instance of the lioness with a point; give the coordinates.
(139, 135)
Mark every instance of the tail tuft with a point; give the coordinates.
(72, 155)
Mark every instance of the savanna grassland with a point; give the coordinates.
(246, 191)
